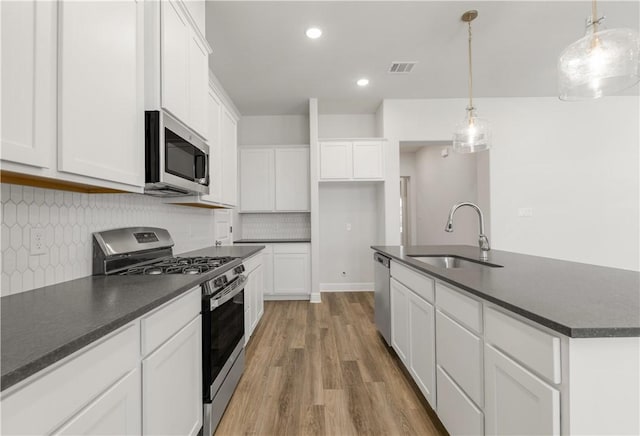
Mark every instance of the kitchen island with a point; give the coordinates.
(529, 345)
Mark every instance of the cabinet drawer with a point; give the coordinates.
(168, 319)
(418, 283)
(518, 402)
(465, 310)
(291, 248)
(534, 348)
(459, 352)
(456, 411)
(47, 401)
(252, 263)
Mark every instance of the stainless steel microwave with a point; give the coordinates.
(176, 160)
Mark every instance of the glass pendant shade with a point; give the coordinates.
(601, 63)
(472, 134)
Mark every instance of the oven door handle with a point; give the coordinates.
(229, 292)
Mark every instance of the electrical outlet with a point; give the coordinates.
(37, 241)
(525, 212)
(348, 227)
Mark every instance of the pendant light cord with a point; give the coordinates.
(471, 70)
(594, 16)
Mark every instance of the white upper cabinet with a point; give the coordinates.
(229, 143)
(274, 179)
(352, 160)
(368, 160)
(174, 39)
(73, 92)
(28, 81)
(184, 63)
(335, 160)
(257, 179)
(214, 111)
(292, 179)
(101, 101)
(197, 10)
(198, 85)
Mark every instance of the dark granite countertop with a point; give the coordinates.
(575, 299)
(270, 241)
(42, 326)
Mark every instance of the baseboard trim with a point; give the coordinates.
(274, 297)
(315, 298)
(346, 287)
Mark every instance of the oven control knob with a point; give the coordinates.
(239, 269)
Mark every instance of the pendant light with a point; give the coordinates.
(473, 133)
(603, 62)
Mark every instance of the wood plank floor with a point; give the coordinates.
(322, 369)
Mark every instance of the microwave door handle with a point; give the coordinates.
(217, 302)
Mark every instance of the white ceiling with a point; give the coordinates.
(268, 66)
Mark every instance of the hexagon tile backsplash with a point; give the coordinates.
(68, 220)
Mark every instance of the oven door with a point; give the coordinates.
(223, 334)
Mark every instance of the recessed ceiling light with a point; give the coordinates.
(362, 82)
(313, 33)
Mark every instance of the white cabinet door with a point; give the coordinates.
(518, 402)
(248, 310)
(422, 350)
(400, 319)
(101, 101)
(335, 160)
(174, 55)
(29, 48)
(115, 412)
(292, 179)
(259, 291)
(229, 143)
(367, 160)
(267, 263)
(223, 221)
(291, 274)
(460, 416)
(214, 113)
(172, 385)
(198, 85)
(256, 179)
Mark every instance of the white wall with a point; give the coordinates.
(575, 164)
(273, 130)
(341, 249)
(440, 183)
(348, 126)
(408, 169)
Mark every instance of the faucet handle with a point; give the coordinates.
(483, 242)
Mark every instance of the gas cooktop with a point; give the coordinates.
(179, 265)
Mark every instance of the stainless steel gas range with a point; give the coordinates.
(149, 251)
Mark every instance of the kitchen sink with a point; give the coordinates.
(450, 262)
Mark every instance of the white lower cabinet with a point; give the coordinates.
(413, 338)
(253, 294)
(518, 402)
(457, 412)
(286, 271)
(493, 373)
(399, 319)
(172, 384)
(422, 364)
(116, 412)
(145, 378)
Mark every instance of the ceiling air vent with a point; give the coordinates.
(401, 67)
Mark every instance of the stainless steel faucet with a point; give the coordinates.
(483, 241)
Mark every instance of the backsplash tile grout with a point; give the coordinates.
(276, 226)
(68, 220)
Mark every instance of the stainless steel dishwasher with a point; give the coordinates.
(382, 309)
